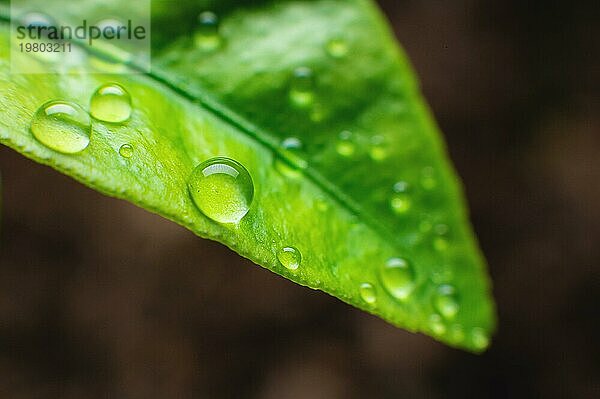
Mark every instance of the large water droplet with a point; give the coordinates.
(111, 103)
(290, 257)
(302, 87)
(62, 126)
(398, 278)
(207, 36)
(368, 293)
(479, 338)
(345, 145)
(126, 150)
(446, 302)
(222, 189)
(337, 48)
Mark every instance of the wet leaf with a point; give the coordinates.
(351, 189)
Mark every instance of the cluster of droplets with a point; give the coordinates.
(222, 188)
(66, 127)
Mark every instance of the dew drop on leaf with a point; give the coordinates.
(111, 103)
(207, 37)
(456, 333)
(436, 324)
(345, 145)
(126, 150)
(398, 278)
(222, 189)
(400, 203)
(62, 126)
(378, 151)
(368, 293)
(445, 301)
(293, 163)
(302, 88)
(337, 48)
(479, 338)
(401, 200)
(428, 180)
(289, 257)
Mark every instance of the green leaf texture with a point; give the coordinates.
(367, 185)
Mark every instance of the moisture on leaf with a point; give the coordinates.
(293, 132)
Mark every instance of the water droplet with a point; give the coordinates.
(302, 87)
(345, 145)
(368, 293)
(398, 278)
(440, 242)
(446, 302)
(400, 201)
(379, 148)
(111, 103)
(36, 19)
(436, 324)
(126, 150)
(479, 338)
(207, 36)
(337, 48)
(222, 189)
(291, 150)
(428, 180)
(62, 126)
(290, 258)
(456, 333)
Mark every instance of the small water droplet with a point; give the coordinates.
(62, 126)
(401, 200)
(291, 150)
(126, 150)
(337, 48)
(222, 189)
(440, 242)
(428, 180)
(436, 324)
(290, 257)
(398, 278)
(479, 338)
(379, 148)
(111, 103)
(446, 302)
(302, 87)
(400, 203)
(345, 145)
(368, 293)
(207, 36)
(456, 333)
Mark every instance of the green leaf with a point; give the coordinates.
(316, 100)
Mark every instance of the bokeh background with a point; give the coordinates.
(99, 299)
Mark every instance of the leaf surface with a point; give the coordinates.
(365, 189)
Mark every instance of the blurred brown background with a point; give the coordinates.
(99, 299)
